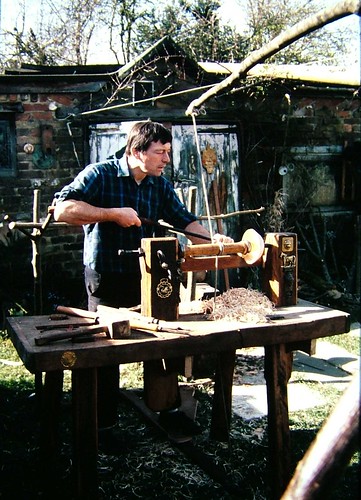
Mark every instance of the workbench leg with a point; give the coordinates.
(84, 387)
(38, 380)
(161, 391)
(222, 398)
(278, 368)
(50, 401)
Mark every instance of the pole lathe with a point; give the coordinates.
(162, 262)
(245, 253)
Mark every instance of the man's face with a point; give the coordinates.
(153, 161)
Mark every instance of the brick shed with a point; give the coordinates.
(280, 140)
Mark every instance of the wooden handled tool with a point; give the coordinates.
(74, 311)
(172, 229)
(113, 327)
(136, 320)
(54, 335)
(139, 322)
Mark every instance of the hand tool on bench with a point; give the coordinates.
(74, 333)
(62, 326)
(139, 322)
(113, 327)
(136, 320)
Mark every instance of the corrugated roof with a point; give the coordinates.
(301, 72)
(65, 70)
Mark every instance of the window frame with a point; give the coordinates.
(8, 168)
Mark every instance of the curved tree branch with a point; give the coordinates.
(299, 30)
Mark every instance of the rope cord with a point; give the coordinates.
(208, 215)
(204, 188)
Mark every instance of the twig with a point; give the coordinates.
(232, 214)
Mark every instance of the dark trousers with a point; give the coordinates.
(161, 384)
(114, 290)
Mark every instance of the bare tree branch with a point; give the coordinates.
(299, 30)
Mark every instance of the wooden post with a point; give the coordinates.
(320, 469)
(160, 299)
(222, 398)
(278, 368)
(191, 281)
(220, 226)
(358, 255)
(280, 268)
(36, 259)
(160, 280)
(49, 406)
(84, 388)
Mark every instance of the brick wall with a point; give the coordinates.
(45, 161)
(49, 163)
(275, 128)
(309, 137)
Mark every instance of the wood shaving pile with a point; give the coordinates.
(239, 304)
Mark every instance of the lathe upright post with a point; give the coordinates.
(160, 281)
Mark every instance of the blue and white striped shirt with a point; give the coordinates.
(110, 184)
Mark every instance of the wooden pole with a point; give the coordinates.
(331, 450)
(219, 225)
(36, 258)
(191, 280)
(37, 285)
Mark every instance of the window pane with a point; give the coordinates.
(7, 149)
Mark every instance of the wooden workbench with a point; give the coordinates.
(296, 327)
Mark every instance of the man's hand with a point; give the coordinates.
(221, 238)
(197, 228)
(125, 217)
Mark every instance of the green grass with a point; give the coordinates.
(347, 341)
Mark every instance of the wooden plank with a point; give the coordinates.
(201, 263)
(153, 417)
(201, 459)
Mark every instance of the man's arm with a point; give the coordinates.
(78, 213)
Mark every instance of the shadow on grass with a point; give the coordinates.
(147, 465)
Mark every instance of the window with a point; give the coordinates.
(7, 148)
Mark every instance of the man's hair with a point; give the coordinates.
(142, 134)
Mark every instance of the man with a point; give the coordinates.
(108, 199)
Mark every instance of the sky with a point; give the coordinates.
(231, 11)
